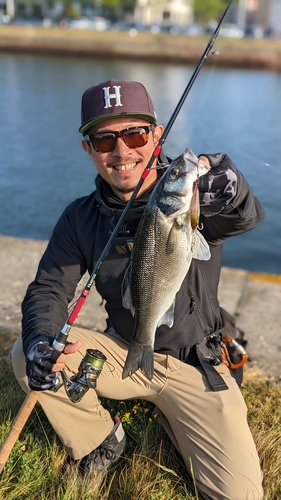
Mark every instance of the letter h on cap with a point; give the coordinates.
(108, 96)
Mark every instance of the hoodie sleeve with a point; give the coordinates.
(45, 306)
(227, 203)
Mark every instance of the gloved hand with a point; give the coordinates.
(40, 359)
(218, 187)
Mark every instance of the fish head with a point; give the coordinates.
(175, 189)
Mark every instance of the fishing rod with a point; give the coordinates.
(60, 342)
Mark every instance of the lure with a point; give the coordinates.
(195, 207)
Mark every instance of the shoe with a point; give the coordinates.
(106, 454)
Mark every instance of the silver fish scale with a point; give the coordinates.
(160, 266)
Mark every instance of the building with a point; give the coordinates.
(266, 13)
(167, 12)
(274, 18)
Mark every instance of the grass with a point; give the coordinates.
(151, 469)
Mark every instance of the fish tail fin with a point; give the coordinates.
(139, 357)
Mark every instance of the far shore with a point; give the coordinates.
(245, 53)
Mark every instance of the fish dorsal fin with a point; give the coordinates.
(168, 316)
(201, 250)
(127, 300)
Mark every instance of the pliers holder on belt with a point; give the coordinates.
(231, 351)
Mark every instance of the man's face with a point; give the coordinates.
(122, 168)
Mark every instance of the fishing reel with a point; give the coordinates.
(89, 371)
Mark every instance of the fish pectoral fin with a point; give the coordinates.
(139, 356)
(201, 250)
(173, 238)
(127, 301)
(168, 316)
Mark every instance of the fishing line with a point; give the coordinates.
(263, 163)
(60, 342)
(260, 163)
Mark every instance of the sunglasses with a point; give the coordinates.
(134, 137)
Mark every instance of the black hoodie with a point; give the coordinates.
(77, 242)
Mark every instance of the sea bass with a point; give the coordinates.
(166, 241)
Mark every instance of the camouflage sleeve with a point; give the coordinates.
(218, 187)
(227, 204)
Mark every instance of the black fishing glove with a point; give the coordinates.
(218, 187)
(40, 359)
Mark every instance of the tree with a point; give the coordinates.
(112, 9)
(116, 8)
(204, 10)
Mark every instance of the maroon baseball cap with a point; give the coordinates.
(115, 99)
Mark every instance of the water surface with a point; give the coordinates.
(43, 167)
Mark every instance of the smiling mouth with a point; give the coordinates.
(125, 168)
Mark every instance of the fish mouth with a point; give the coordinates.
(192, 163)
(189, 156)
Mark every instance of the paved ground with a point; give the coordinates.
(255, 300)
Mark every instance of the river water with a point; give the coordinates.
(43, 167)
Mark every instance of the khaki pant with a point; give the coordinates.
(209, 428)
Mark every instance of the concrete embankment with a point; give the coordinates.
(254, 299)
(246, 53)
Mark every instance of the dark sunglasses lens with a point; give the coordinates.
(136, 137)
(104, 142)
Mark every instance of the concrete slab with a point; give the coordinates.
(231, 288)
(259, 316)
(255, 301)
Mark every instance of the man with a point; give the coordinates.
(201, 405)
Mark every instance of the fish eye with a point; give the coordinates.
(174, 173)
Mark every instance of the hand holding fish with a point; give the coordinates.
(218, 187)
